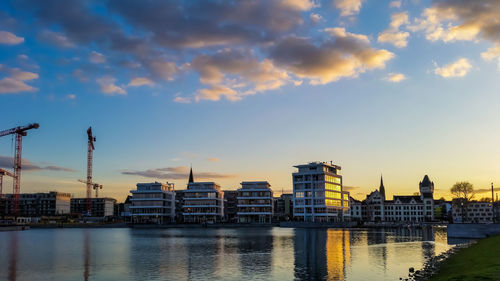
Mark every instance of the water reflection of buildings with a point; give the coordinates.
(13, 256)
(321, 254)
(255, 248)
(86, 255)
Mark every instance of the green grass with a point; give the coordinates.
(480, 261)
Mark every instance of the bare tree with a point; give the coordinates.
(464, 192)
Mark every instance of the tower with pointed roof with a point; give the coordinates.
(426, 187)
(191, 178)
(381, 189)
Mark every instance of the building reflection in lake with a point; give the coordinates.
(255, 247)
(13, 255)
(86, 255)
(321, 254)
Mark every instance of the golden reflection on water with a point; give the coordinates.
(338, 253)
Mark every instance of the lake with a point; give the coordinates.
(216, 254)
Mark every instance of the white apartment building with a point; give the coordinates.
(153, 203)
(203, 202)
(472, 212)
(255, 202)
(318, 195)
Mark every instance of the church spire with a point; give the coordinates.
(191, 179)
(382, 188)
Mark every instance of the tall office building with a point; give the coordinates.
(318, 195)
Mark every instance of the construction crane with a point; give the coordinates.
(19, 133)
(4, 173)
(90, 184)
(95, 186)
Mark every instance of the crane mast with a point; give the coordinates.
(19, 133)
(90, 152)
(90, 184)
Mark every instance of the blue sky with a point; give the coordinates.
(245, 90)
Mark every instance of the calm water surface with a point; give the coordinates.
(216, 254)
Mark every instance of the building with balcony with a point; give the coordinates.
(318, 195)
(153, 203)
(255, 202)
(203, 203)
(99, 207)
(39, 204)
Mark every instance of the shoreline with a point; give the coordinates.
(477, 260)
(216, 225)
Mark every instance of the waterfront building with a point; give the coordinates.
(402, 208)
(153, 203)
(471, 212)
(255, 202)
(230, 205)
(51, 203)
(355, 208)
(283, 207)
(203, 202)
(99, 207)
(318, 195)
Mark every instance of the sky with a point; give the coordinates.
(245, 90)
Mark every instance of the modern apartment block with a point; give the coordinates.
(99, 207)
(153, 203)
(255, 202)
(51, 203)
(318, 195)
(203, 202)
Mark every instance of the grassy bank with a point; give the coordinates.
(480, 261)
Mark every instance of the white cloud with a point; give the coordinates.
(236, 73)
(140, 81)
(315, 17)
(96, 57)
(395, 4)
(15, 82)
(348, 7)
(393, 35)
(395, 77)
(164, 69)
(8, 38)
(345, 55)
(299, 5)
(56, 38)
(180, 99)
(108, 86)
(459, 68)
(492, 54)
